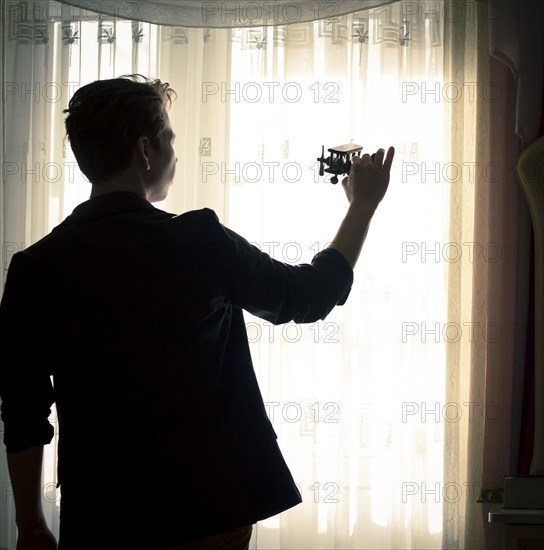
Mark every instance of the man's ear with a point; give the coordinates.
(142, 152)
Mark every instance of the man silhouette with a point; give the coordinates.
(137, 316)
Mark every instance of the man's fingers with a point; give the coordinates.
(378, 156)
(389, 158)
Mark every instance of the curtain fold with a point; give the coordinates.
(488, 292)
(225, 13)
(460, 38)
(192, 63)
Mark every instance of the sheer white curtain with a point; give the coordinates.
(357, 400)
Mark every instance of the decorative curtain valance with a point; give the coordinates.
(225, 13)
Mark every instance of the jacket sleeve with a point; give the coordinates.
(276, 291)
(26, 390)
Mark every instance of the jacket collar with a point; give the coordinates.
(109, 204)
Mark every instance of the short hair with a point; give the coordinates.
(106, 117)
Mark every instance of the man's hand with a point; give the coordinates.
(365, 188)
(369, 178)
(37, 539)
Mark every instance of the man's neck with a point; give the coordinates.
(120, 183)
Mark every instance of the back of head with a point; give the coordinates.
(106, 117)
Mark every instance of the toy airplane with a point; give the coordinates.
(339, 161)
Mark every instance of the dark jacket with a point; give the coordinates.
(137, 316)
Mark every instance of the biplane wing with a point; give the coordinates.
(346, 149)
(339, 160)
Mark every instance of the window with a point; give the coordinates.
(357, 400)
